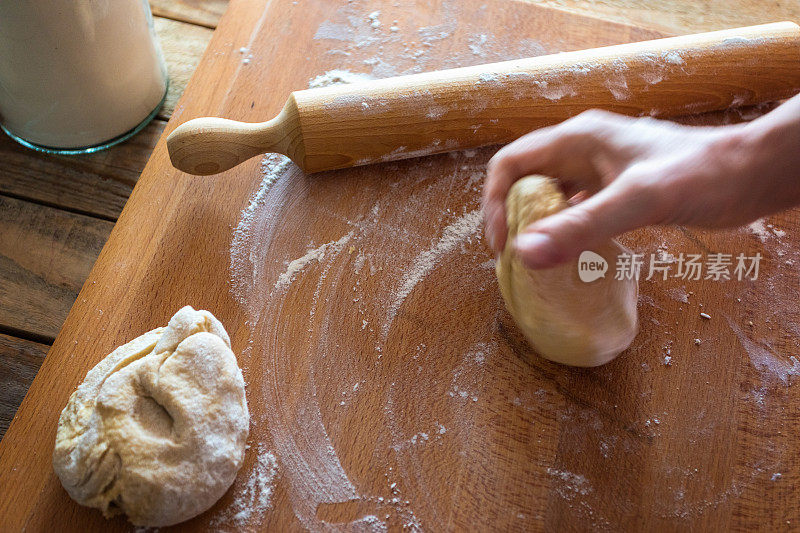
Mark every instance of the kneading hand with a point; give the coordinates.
(623, 173)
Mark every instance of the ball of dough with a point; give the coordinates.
(567, 320)
(157, 429)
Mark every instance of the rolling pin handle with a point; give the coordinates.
(210, 145)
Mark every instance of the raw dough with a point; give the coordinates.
(157, 429)
(565, 319)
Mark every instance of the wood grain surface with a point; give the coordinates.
(383, 373)
(96, 185)
(38, 289)
(679, 16)
(19, 362)
(199, 12)
(182, 44)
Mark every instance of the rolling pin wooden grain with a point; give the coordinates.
(421, 114)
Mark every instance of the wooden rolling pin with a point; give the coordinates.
(421, 114)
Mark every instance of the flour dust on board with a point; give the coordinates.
(351, 282)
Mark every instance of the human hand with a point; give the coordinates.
(632, 172)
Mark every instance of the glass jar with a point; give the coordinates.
(77, 76)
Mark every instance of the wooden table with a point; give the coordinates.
(57, 212)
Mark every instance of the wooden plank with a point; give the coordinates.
(200, 12)
(684, 16)
(382, 369)
(45, 256)
(19, 361)
(138, 244)
(96, 184)
(183, 45)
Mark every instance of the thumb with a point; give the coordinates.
(564, 235)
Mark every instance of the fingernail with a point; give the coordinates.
(537, 250)
(490, 237)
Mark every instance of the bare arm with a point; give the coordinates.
(633, 172)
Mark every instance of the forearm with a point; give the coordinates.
(775, 152)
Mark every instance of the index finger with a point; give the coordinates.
(504, 168)
(565, 152)
(538, 152)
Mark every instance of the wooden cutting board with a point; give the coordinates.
(388, 387)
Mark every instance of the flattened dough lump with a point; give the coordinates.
(157, 429)
(566, 320)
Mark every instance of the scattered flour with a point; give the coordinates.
(489, 264)
(337, 77)
(315, 254)
(673, 58)
(760, 230)
(362, 31)
(436, 111)
(618, 87)
(272, 167)
(453, 235)
(571, 483)
(679, 294)
(764, 359)
(255, 498)
(374, 22)
(476, 44)
(242, 266)
(552, 91)
(333, 31)
(479, 352)
(430, 34)
(370, 523)
(764, 231)
(246, 55)
(652, 77)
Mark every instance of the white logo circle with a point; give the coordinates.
(591, 266)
